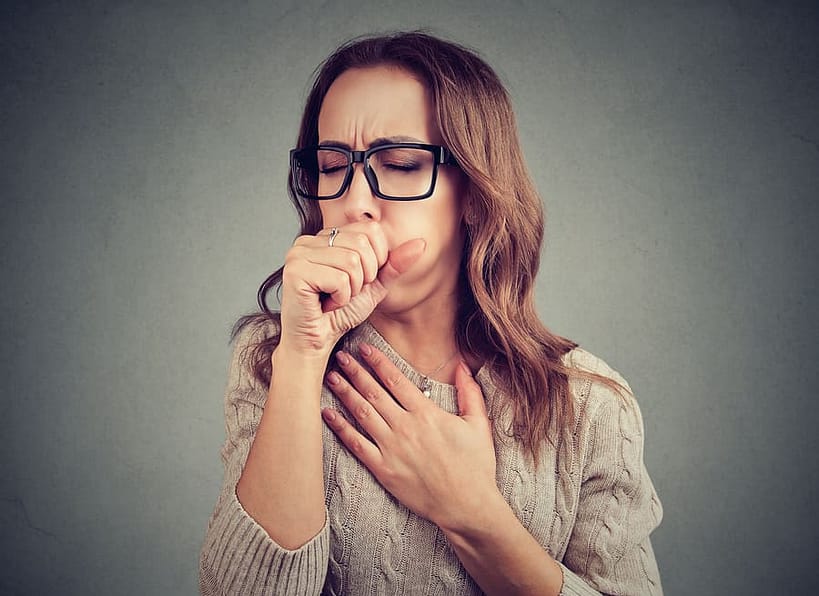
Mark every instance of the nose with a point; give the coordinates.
(360, 203)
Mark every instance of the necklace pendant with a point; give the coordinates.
(424, 387)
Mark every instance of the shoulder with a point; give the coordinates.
(601, 394)
(617, 505)
(581, 359)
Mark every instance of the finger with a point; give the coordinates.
(470, 397)
(366, 238)
(360, 244)
(377, 242)
(376, 237)
(400, 260)
(370, 390)
(308, 278)
(363, 410)
(358, 445)
(344, 259)
(393, 379)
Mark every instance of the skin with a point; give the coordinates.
(364, 105)
(396, 264)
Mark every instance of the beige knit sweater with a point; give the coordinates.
(590, 503)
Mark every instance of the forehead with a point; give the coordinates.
(363, 104)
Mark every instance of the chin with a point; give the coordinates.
(397, 301)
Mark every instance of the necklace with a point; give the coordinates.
(425, 384)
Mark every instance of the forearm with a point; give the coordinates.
(501, 555)
(282, 484)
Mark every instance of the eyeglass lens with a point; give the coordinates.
(398, 172)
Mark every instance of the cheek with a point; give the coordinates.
(331, 214)
(433, 222)
(445, 225)
(441, 226)
(448, 218)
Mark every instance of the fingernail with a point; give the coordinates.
(333, 378)
(328, 415)
(365, 349)
(343, 358)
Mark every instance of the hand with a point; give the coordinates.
(439, 465)
(328, 290)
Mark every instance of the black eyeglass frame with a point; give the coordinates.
(441, 155)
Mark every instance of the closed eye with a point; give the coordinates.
(401, 167)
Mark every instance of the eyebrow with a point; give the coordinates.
(375, 143)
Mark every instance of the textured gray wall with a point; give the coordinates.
(144, 149)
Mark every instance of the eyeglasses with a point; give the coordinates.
(395, 172)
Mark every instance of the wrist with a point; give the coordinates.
(311, 351)
(475, 522)
(290, 356)
(502, 556)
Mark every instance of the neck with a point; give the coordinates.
(423, 339)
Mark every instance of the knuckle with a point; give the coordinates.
(352, 259)
(363, 412)
(362, 241)
(291, 255)
(387, 475)
(356, 446)
(342, 277)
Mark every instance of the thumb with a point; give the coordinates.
(470, 396)
(400, 260)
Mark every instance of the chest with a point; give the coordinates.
(379, 546)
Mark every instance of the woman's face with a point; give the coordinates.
(363, 107)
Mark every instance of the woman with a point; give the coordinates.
(405, 424)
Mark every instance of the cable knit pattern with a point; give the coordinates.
(238, 556)
(590, 503)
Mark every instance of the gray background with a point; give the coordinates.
(676, 146)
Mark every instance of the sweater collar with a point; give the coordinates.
(443, 394)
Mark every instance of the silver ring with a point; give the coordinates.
(333, 234)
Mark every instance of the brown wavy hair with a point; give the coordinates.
(497, 321)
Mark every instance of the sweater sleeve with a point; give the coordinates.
(609, 550)
(238, 556)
